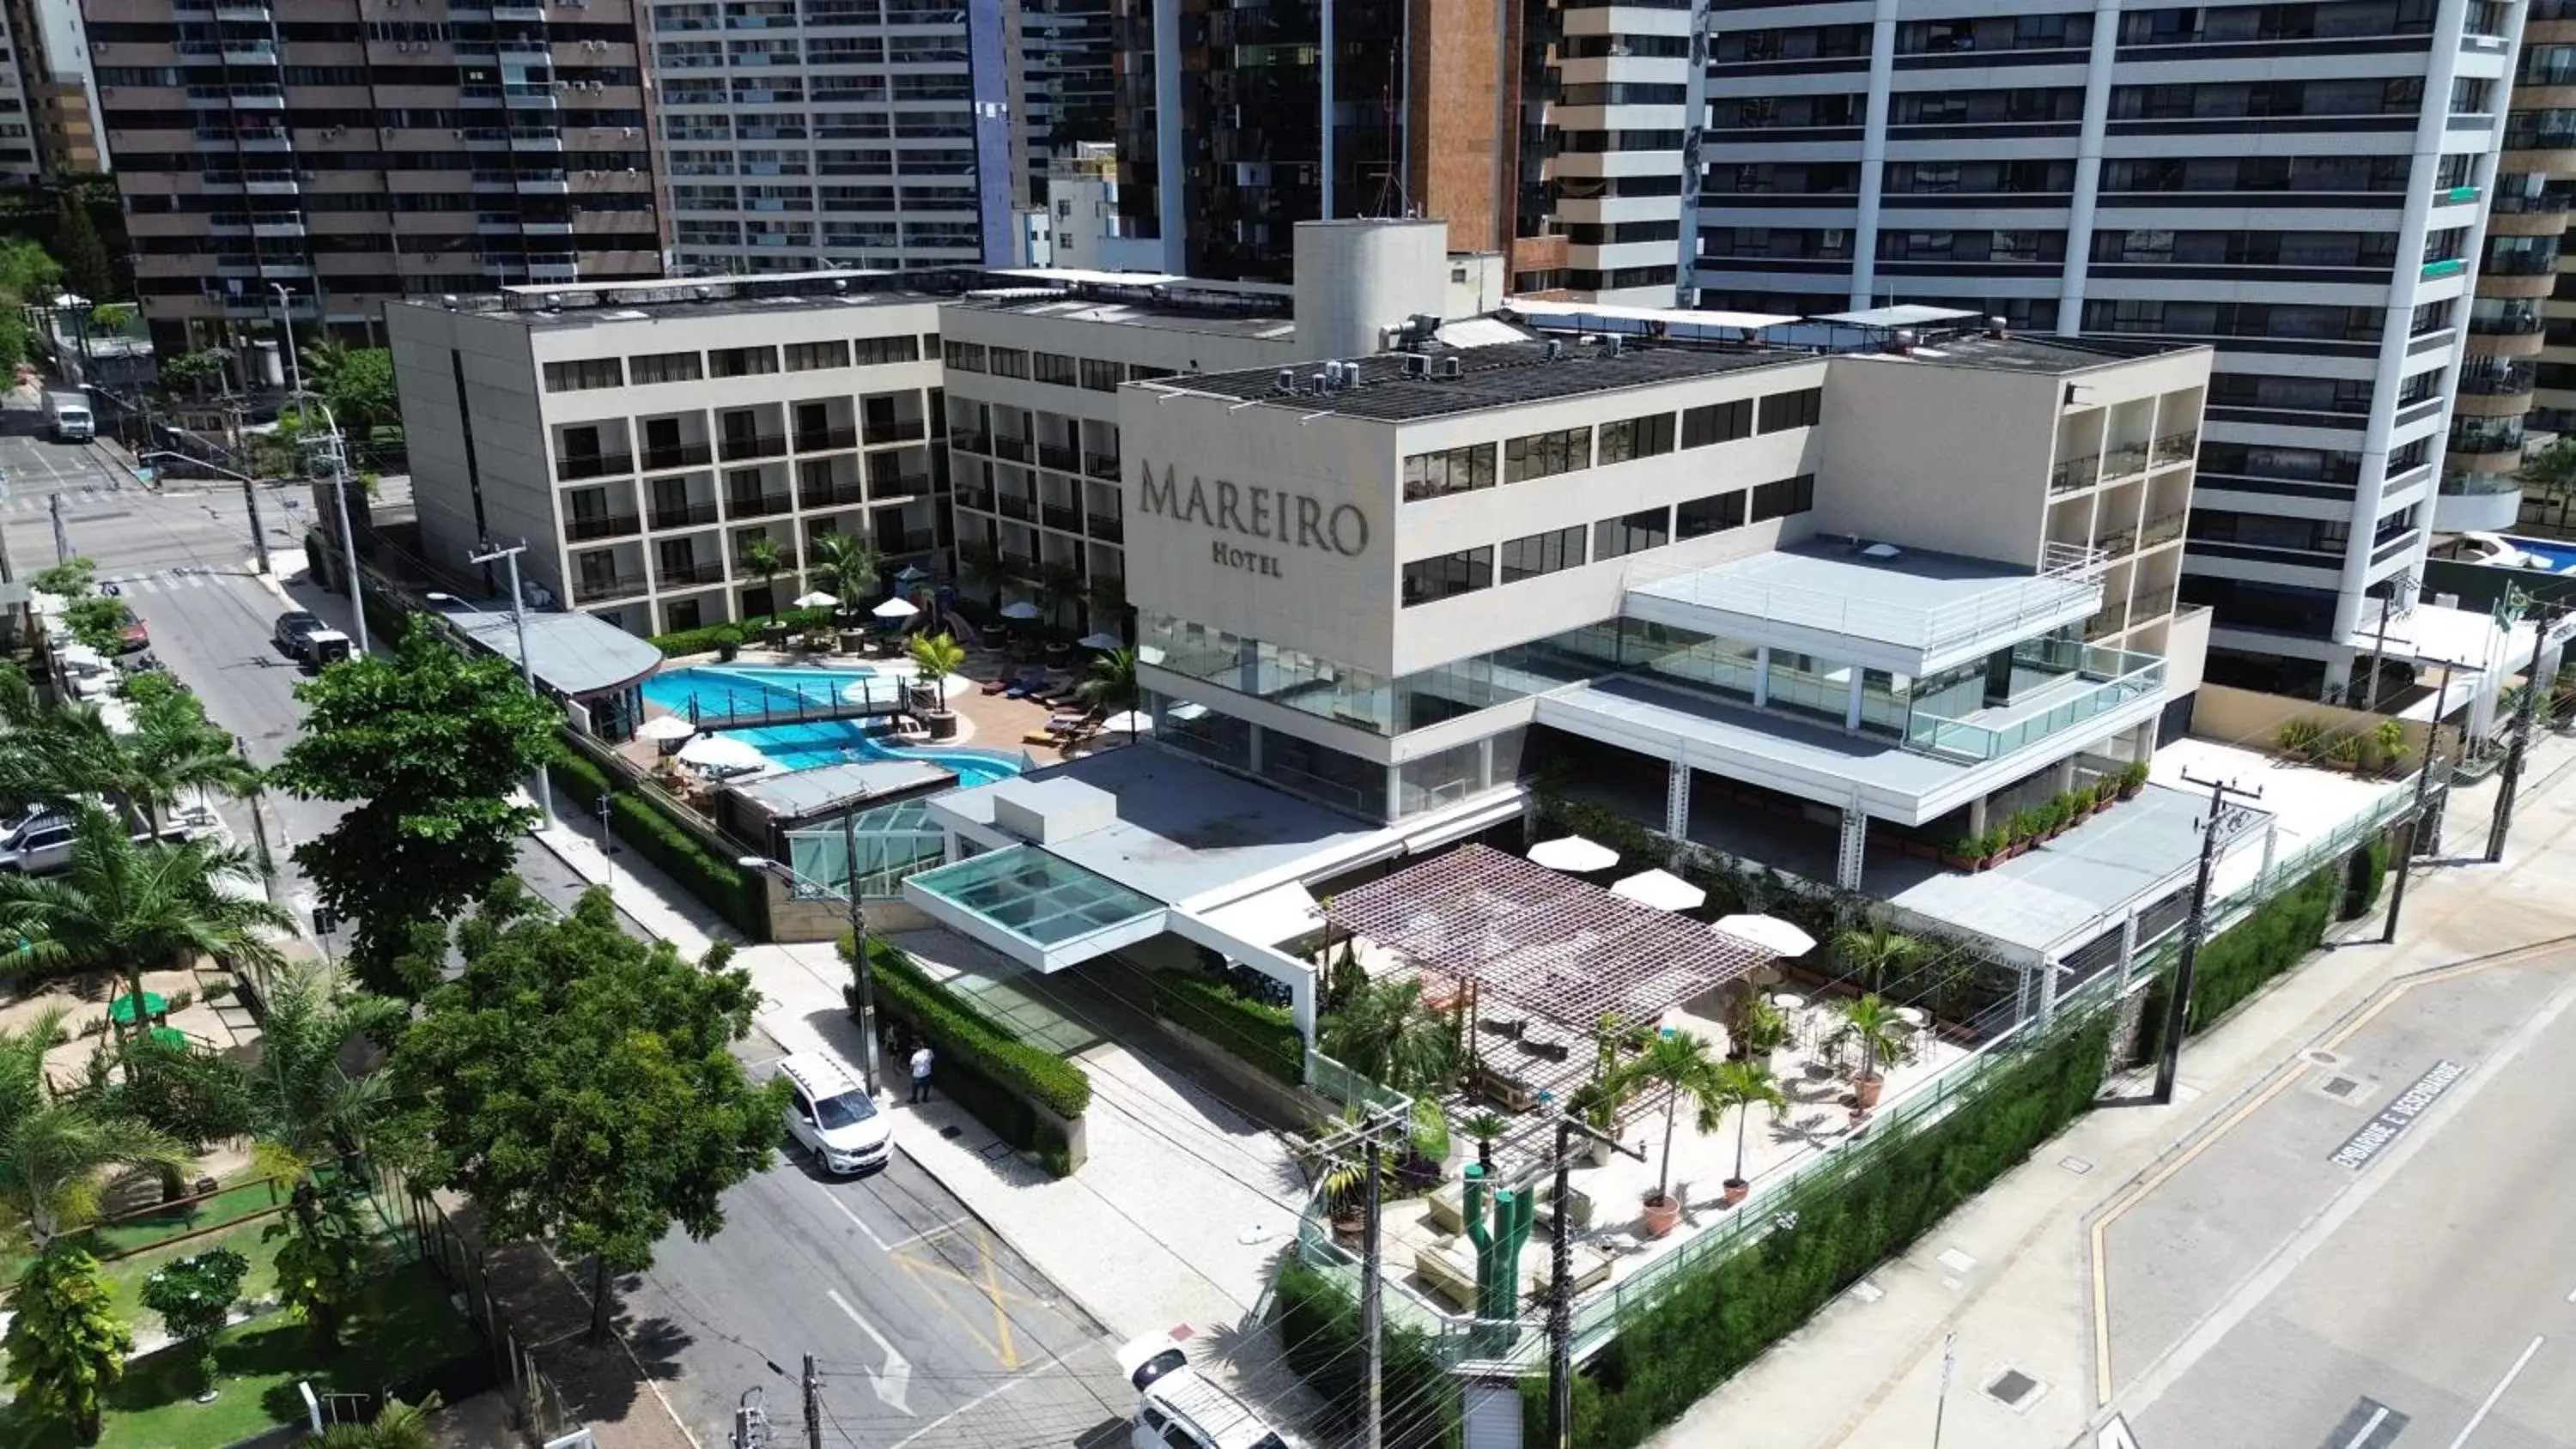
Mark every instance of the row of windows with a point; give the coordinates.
(590, 373)
(1448, 575)
(1544, 455)
(1096, 374)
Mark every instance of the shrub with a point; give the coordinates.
(2236, 962)
(1319, 1322)
(1721, 1314)
(706, 640)
(2301, 738)
(981, 1064)
(2367, 874)
(642, 822)
(1258, 1032)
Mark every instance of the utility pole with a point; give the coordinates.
(866, 971)
(2403, 584)
(607, 845)
(336, 456)
(2178, 1011)
(2416, 816)
(813, 1405)
(62, 536)
(1369, 1133)
(518, 621)
(1560, 1287)
(2522, 718)
(1941, 1405)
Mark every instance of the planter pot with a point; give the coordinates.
(1351, 1225)
(1663, 1214)
(2015, 849)
(727, 652)
(1963, 862)
(2131, 792)
(1866, 1090)
(1735, 1190)
(943, 725)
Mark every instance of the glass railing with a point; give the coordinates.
(2104, 680)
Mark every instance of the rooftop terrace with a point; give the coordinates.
(1502, 375)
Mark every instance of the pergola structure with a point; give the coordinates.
(1555, 947)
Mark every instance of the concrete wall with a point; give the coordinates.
(1453, 125)
(497, 415)
(1355, 277)
(1945, 458)
(2244, 717)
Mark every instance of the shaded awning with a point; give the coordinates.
(1282, 913)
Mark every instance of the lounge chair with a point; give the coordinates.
(994, 686)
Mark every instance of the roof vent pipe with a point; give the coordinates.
(1997, 328)
(1555, 349)
(1903, 344)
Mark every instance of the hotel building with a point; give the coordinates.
(639, 438)
(2304, 188)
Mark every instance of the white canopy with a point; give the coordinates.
(1768, 932)
(1101, 641)
(817, 599)
(895, 609)
(665, 727)
(1281, 913)
(1129, 722)
(1020, 609)
(1574, 853)
(720, 752)
(1663, 890)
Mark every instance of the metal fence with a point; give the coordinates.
(539, 1406)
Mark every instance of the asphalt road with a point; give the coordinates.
(865, 1274)
(2383, 1267)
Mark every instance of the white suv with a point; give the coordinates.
(1177, 1407)
(831, 1115)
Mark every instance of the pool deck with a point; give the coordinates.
(987, 721)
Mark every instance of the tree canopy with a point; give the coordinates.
(86, 269)
(426, 746)
(578, 1083)
(360, 390)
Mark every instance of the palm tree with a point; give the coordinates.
(1386, 1034)
(2550, 474)
(1872, 1025)
(1681, 1063)
(846, 566)
(53, 1148)
(1110, 684)
(766, 563)
(396, 1426)
(934, 658)
(175, 750)
(1485, 1128)
(1739, 1087)
(136, 907)
(1874, 951)
(305, 1111)
(1108, 600)
(18, 708)
(1060, 587)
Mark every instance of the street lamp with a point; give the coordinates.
(527, 674)
(849, 893)
(286, 331)
(250, 500)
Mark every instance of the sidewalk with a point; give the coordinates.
(2011, 1275)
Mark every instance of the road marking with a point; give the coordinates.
(917, 1239)
(894, 1380)
(855, 1220)
(2571, 1295)
(976, 1402)
(2497, 1393)
(2360, 1438)
(2115, 1435)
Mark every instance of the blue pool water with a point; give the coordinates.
(2558, 557)
(719, 687)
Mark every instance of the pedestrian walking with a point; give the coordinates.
(920, 1071)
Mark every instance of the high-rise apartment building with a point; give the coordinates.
(50, 53)
(840, 133)
(1069, 54)
(2301, 186)
(2539, 145)
(20, 162)
(357, 155)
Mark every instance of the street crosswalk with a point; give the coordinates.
(163, 581)
(31, 501)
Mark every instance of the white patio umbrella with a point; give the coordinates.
(1102, 642)
(1020, 609)
(1768, 932)
(718, 752)
(665, 727)
(817, 599)
(896, 609)
(1663, 890)
(1574, 853)
(1129, 722)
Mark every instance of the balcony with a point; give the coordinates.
(2073, 473)
(691, 575)
(594, 465)
(766, 505)
(915, 540)
(677, 455)
(2103, 680)
(1105, 528)
(2151, 605)
(609, 525)
(1015, 449)
(2445, 267)
(1060, 518)
(2176, 448)
(2124, 462)
(896, 430)
(832, 495)
(1015, 506)
(1059, 457)
(692, 515)
(754, 445)
(601, 588)
(1101, 465)
(966, 440)
(2164, 529)
(979, 499)
(890, 487)
(2107, 623)
(826, 440)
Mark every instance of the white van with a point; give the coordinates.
(1177, 1407)
(69, 413)
(832, 1116)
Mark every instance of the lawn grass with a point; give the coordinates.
(243, 1192)
(402, 1327)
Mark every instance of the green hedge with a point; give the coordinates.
(1837, 1226)
(1259, 1033)
(979, 1062)
(2369, 872)
(640, 820)
(2239, 960)
(1319, 1324)
(705, 640)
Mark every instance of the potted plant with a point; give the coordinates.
(728, 643)
(2133, 778)
(1683, 1066)
(1759, 1029)
(1739, 1087)
(1485, 1129)
(2388, 741)
(2300, 738)
(1965, 853)
(934, 658)
(1874, 950)
(1872, 1025)
(2348, 750)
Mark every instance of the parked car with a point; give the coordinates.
(832, 1116)
(131, 635)
(293, 628)
(1177, 1407)
(41, 844)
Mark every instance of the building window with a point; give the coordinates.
(1543, 553)
(1052, 367)
(1139, 372)
(742, 361)
(1458, 470)
(1716, 513)
(665, 367)
(1448, 575)
(1632, 533)
(815, 356)
(1541, 455)
(1100, 376)
(1782, 411)
(1636, 438)
(590, 372)
(1785, 496)
(1717, 423)
(1008, 362)
(877, 351)
(965, 356)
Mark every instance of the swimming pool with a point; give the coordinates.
(801, 746)
(2555, 558)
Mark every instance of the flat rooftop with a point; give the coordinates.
(2018, 352)
(1797, 752)
(799, 793)
(1507, 374)
(1904, 598)
(590, 303)
(1259, 316)
(571, 652)
(1183, 829)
